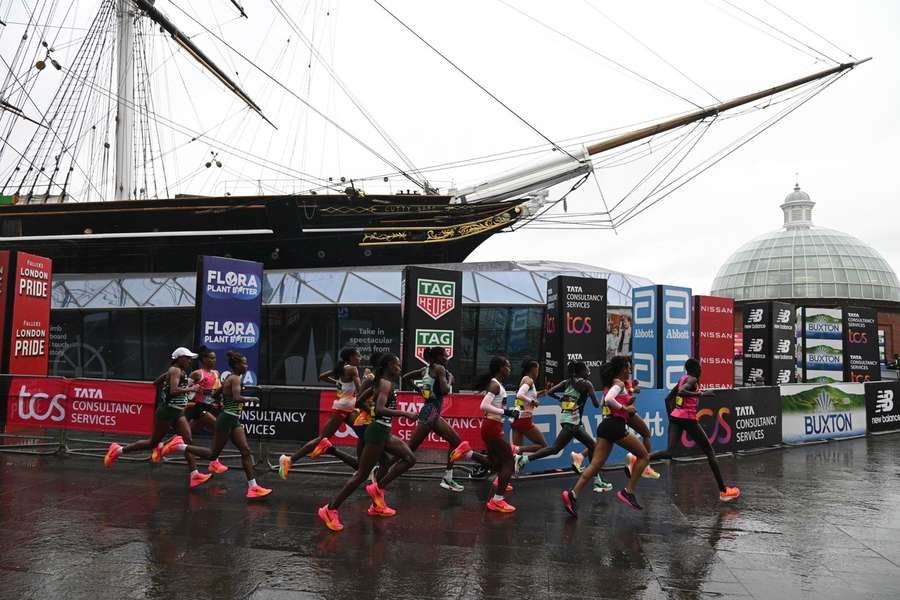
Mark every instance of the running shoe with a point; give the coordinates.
(374, 511)
(257, 491)
(729, 494)
(500, 505)
(569, 502)
(330, 518)
(373, 474)
(217, 467)
(284, 465)
(650, 473)
(602, 486)
(171, 445)
(198, 479)
(323, 445)
(520, 461)
(508, 489)
(112, 454)
(629, 499)
(479, 472)
(376, 494)
(154, 454)
(460, 451)
(577, 462)
(629, 460)
(449, 484)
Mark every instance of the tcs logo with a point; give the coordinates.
(576, 324)
(857, 337)
(40, 406)
(721, 431)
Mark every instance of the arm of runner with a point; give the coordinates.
(327, 378)
(689, 387)
(174, 376)
(523, 390)
(589, 388)
(559, 386)
(381, 409)
(487, 402)
(610, 398)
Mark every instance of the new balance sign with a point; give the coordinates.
(436, 298)
(883, 405)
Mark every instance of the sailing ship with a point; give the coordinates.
(338, 226)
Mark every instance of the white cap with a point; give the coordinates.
(182, 351)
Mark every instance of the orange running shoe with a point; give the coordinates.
(330, 518)
(377, 495)
(171, 445)
(729, 494)
(323, 445)
(217, 467)
(650, 473)
(284, 466)
(374, 511)
(199, 478)
(508, 489)
(500, 505)
(257, 491)
(154, 454)
(112, 454)
(460, 451)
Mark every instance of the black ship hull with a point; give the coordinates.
(283, 232)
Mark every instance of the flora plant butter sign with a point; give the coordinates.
(436, 298)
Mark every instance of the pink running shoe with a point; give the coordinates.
(377, 495)
(112, 455)
(729, 494)
(217, 467)
(171, 446)
(374, 511)
(198, 479)
(155, 453)
(330, 518)
(501, 506)
(460, 451)
(323, 445)
(257, 491)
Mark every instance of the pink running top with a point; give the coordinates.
(625, 398)
(209, 384)
(685, 406)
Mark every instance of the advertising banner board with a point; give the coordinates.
(432, 314)
(822, 411)
(575, 326)
(823, 345)
(883, 406)
(714, 340)
(82, 404)
(28, 328)
(662, 334)
(229, 307)
(769, 343)
(675, 322)
(784, 343)
(282, 414)
(4, 298)
(645, 339)
(861, 353)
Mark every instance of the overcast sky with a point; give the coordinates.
(840, 142)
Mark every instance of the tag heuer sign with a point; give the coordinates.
(428, 338)
(436, 298)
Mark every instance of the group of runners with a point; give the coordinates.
(366, 401)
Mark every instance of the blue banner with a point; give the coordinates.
(650, 405)
(229, 297)
(676, 332)
(645, 335)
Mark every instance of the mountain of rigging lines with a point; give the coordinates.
(342, 227)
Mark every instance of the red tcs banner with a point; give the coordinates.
(4, 277)
(461, 411)
(107, 406)
(714, 340)
(29, 328)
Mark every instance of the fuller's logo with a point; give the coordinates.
(884, 401)
(436, 298)
(429, 338)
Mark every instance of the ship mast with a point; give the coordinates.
(124, 100)
(541, 176)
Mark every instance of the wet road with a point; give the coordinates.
(820, 521)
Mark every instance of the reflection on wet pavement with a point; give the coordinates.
(821, 521)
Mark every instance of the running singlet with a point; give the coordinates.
(179, 401)
(367, 409)
(625, 398)
(431, 391)
(346, 396)
(231, 406)
(209, 384)
(384, 420)
(526, 409)
(498, 401)
(685, 406)
(572, 404)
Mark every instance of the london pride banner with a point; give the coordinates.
(229, 303)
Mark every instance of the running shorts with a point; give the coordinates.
(168, 414)
(522, 424)
(226, 422)
(344, 405)
(429, 414)
(196, 411)
(572, 427)
(491, 430)
(377, 435)
(612, 429)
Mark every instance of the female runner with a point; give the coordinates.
(613, 430)
(499, 452)
(526, 401)
(177, 388)
(683, 417)
(576, 390)
(228, 426)
(378, 438)
(345, 376)
(202, 410)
